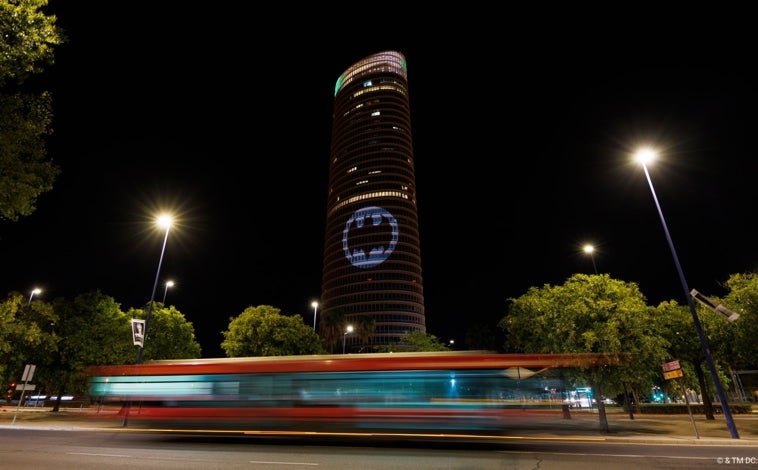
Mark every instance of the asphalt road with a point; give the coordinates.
(71, 442)
(582, 424)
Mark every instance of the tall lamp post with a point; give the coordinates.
(349, 329)
(643, 156)
(168, 284)
(35, 291)
(590, 250)
(314, 304)
(163, 221)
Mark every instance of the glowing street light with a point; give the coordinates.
(349, 329)
(168, 284)
(35, 291)
(643, 156)
(590, 250)
(163, 221)
(314, 304)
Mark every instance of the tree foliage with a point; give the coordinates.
(413, 341)
(27, 40)
(24, 331)
(585, 314)
(677, 325)
(169, 335)
(263, 331)
(331, 328)
(365, 327)
(588, 314)
(64, 336)
(743, 299)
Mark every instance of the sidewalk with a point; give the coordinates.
(583, 424)
(648, 428)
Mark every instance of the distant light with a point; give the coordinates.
(589, 249)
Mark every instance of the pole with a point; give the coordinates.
(590, 250)
(28, 374)
(349, 329)
(698, 327)
(152, 299)
(689, 410)
(147, 319)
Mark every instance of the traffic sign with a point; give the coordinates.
(673, 365)
(674, 374)
(28, 372)
(25, 387)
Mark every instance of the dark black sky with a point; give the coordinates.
(523, 131)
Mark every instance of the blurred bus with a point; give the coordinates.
(464, 391)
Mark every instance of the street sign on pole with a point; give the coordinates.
(672, 370)
(28, 372)
(672, 365)
(25, 378)
(138, 329)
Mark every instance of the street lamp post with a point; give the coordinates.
(35, 291)
(590, 250)
(168, 284)
(643, 156)
(349, 329)
(163, 221)
(314, 304)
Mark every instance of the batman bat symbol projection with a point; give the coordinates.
(364, 228)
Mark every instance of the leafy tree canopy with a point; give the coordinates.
(27, 39)
(264, 331)
(416, 341)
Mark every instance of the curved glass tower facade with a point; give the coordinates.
(372, 260)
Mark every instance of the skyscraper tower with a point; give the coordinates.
(372, 260)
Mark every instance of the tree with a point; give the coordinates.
(29, 35)
(27, 38)
(685, 345)
(25, 334)
(169, 335)
(413, 341)
(331, 328)
(91, 330)
(64, 337)
(263, 331)
(587, 314)
(743, 299)
(365, 327)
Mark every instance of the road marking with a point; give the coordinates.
(265, 462)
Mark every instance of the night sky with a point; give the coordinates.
(522, 137)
